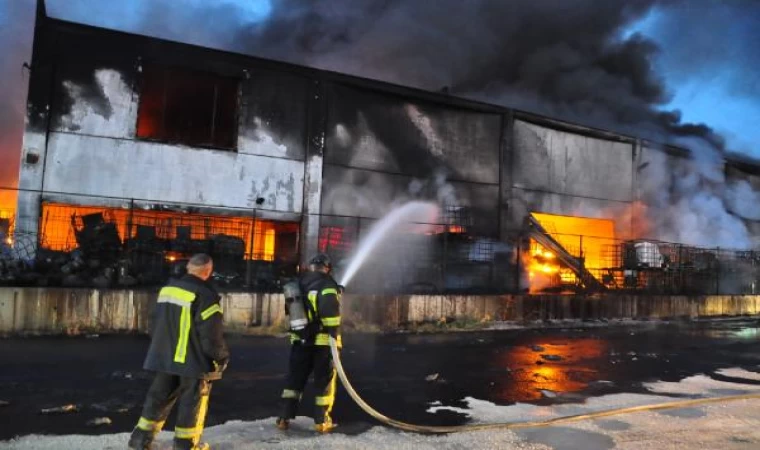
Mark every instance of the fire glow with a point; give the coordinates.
(260, 236)
(7, 217)
(582, 237)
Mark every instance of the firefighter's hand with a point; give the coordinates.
(341, 289)
(221, 366)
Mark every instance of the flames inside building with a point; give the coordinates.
(124, 247)
(577, 254)
(587, 241)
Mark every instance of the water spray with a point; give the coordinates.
(421, 213)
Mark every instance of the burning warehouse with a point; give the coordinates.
(139, 151)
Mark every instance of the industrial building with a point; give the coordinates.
(153, 149)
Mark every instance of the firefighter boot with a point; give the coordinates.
(140, 440)
(283, 424)
(326, 426)
(289, 409)
(188, 444)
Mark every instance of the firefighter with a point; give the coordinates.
(187, 351)
(310, 351)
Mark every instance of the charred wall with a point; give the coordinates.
(91, 145)
(569, 173)
(382, 148)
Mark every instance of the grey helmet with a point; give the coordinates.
(321, 259)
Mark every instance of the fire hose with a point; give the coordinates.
(428, 429)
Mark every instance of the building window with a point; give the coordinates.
(185, 107)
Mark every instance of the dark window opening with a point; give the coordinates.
(185, 107)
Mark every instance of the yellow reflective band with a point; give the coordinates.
(203, 410)
(329, 291)
(187, 433)
(290, 393)
(324, 339)
(326, 400)
(178, 293)
(332, 386)
(184, 334)
(331, 321)
(210, 311)
(149, 425)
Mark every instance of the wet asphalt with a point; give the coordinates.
(398, 374)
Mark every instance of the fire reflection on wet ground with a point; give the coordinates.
(546, 366)
(401, 375)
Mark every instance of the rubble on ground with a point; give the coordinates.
(65, 409)
(99, 421)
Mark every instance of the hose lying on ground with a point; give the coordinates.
(514, 425)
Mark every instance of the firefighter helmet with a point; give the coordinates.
(321, 259)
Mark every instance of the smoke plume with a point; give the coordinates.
(571, 60)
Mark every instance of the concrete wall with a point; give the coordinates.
(560, 172)
(75, 311)
(101, 166)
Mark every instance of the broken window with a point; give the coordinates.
(185, 107)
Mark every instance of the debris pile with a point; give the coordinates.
(101, 258)
(65, 409)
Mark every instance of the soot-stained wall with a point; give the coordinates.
(566, 173)
(382, 148)
(92, 149)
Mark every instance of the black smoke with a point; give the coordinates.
(564, 59)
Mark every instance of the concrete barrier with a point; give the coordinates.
(76, 311)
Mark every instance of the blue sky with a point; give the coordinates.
(126, 14)
(711, 68)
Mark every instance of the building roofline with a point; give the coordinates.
(273, 64)
(41, 9)
(741, 162)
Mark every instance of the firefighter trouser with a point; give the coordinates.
(166, 390)
(305, 359)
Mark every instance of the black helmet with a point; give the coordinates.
(321, 259)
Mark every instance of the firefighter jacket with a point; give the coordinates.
(187, 332)
(323, 298)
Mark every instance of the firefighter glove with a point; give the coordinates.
(221, 366)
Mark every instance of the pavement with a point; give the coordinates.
(432, 379)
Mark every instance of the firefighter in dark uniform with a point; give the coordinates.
(313, 353)
(187, 350)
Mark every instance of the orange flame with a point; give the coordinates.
(260, 239)
(585, 237)
(571, 373)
